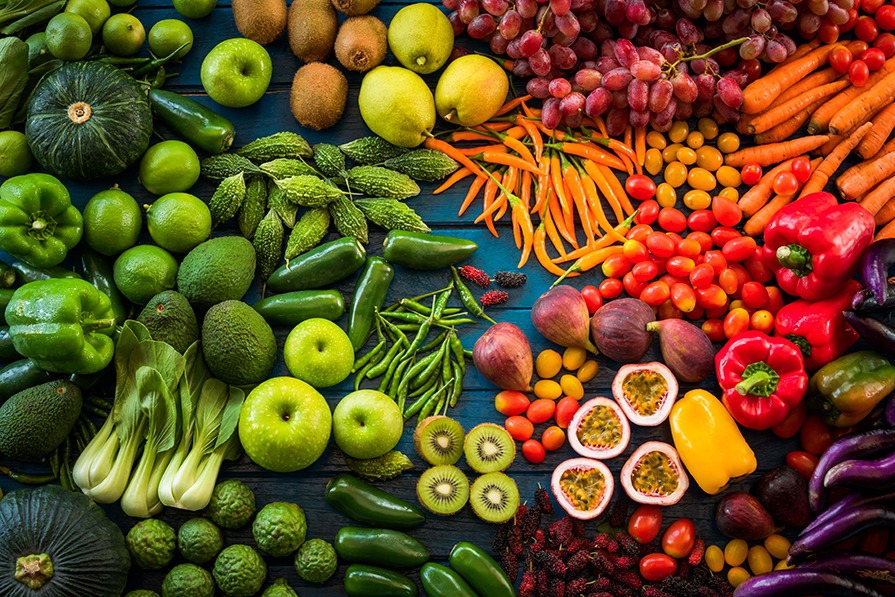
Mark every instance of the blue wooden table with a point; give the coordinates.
(271, 114)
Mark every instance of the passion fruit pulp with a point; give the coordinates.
(599, 429)
(646, 392)
(654, 475)
(583, 487)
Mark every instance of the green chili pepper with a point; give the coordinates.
(425, 251)
(441, 581)
(321, 266)
(291, 308)
(193, 121)
(98, 271)
(466, 297)
(157, 62)
(380, 547)
(441, 302)
(429, 370)
(379, 354)
(21, 375)
(54, 463)
(29, 273)
(457, 388)
(27, 478)
(371, 354)
(423, 387)
(420, 402)
(407, 317)
(366, 504)
(386, 363)
(7, 350)
(456, 322)
(98, 402)
(372, 581)
(429, 406)
(421, 334)
(436, 341)
(369, 293)
(480, 570)
(397, 376)
(446, 362)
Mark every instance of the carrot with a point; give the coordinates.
(755, 225)
(759, 94)
(755, 198)
(447, 148)
(887, 231)
(473, 192)
(879, 196)
(786, 129)
(640, 144)
(820, 120)
(859, 110)
(505, 159)
(821, 77)
(512, 105)
(766, 155)
(859, 179)
(821, 176)
(883, 124)
(453, 179)
(886, 214)
(787, 110)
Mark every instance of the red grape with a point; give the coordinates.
(617, 78)
(729, 92)
(597, 102)
(550, 113)
(645, 70)
(560, 88)
(587, 79)
(510, 24)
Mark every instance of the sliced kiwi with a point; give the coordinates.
(443, 489)
(494, 497)
(489, 448)
(439, 440)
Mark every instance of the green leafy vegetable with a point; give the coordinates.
(13, 75)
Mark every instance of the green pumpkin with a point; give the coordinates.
(58, 543)
(88, 120)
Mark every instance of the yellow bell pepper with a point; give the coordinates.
(709, 442)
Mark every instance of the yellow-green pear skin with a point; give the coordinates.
(421, 37)
(397, 105)
(471, 90)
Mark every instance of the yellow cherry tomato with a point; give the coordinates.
(737, 576)
(669, 154)
(728, 142)
(735, 552)
(656, 140)
(729, 193)
(676, 174)
(666, 196)
(778, 546)
(714, 557)
(697, 199)
(701, 179)
(653, 161)
(759, 560)
(686, 155)
(695, 140)
(679, 131)
(728, 176)
(709, 158)
(708, 128)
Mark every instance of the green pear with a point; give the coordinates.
(397, 105)
(471, 90)
(421, 37)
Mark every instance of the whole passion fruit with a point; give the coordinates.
(599, 429)
(654, 475)
(583, 487)
(646, 392)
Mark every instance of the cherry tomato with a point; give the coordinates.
(553, 438)
(667, 310)
(632, 286)
(714, 329)
(786, 183)
(566, 407)
(886, 41)
(724, 234)
(751, 174)
(616, 266)
(683, 297)
(840, 59)
(519, 427)
(815, 436)
(739, 249)
(858, 73)
(850, 23)
(657, 566)
(611, 288)
(645, 270)
(702, 275)
(828, 32)
(704, 240)
(716, 260)
(511, 402)
(755, 295)
(540, 411)
(533, 451)
(874, 58)
(592, 298)
(660, 245)
(640, 187)
(679, 538)
(655, 293)
(866, 29)
(803, 462)
(702, 220)
(680, 266)
(790, 426)
(870, 6)
(856, 46)
(711, 297)
(762, 321)
(775, 300)
(645, 524)
(688, 247)
(672, 220)
(728, 281)
(639, 232)
(635, 251)
(726, 212)
(757, 268)
(736, 322)
(885, 18)
(801, 168)
(696, 314)
(647, 213)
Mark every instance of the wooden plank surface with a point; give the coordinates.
(272, 114)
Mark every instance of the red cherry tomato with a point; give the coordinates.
(635, 251)
(885, 18)
(858, 73)
(639, 232)
(648, 212)
(611, 288)
(592, 298)
(786, 183)
(724, 234)
(640, 187)
(533, 451)
(856, 46)
(702, 275)
(657, 566)
(870, 6)
(655, 293)
(645, 524)
(672, 220)
(680, 266)
(540, 411)
(751, 174)
(739, 249)
(866, 29)
(683, 297)
(679, 538)
(790, 426)
(828, 32)
(704, 240)
(553, 438)
(815, 435)
(632, 286)
(566, 408)
(755, 295)
(840, 59)
(803, 462)
(726, 211)
(616, 266)
(886, 41)
(702, 220)
(645, 270)
(714, 329)
(758, 269)
(874, 58)
(801, 167)
(519, 427)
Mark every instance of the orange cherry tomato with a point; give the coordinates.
(762, 321)
(683, 297)
(736, 322)
(704, 240)
(519, 428)
(639, 232)
(635, 251)
(714, 329)
(711, 297)
(540, 411)
(689, 248)
(533, 451)
(667, 310)
(615, 266)
(655, 293)
(553, 438)
(511, 402)
(728, 281)
(680, 266)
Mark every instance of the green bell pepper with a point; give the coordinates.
(64, 325)
(38, 223)
(846, 390)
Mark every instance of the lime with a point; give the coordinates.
(168, 35)
(38, 52)
(15, 155)
(123, 34)
(68, 36)
(143, 271)
(95, 12)
(169, 167)
(112, 222)
(194, 9)
(178, 222)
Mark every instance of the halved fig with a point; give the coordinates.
(599, 429)
(654, 475)
(646, 392)
(583, 487)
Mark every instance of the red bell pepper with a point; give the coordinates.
(819, 329)
(763, 378)
(813, 245)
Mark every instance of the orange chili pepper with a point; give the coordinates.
(476, 151)
(620, 192)
(473, 192)
(597, 175)
(592, 152)
(525, 224)
(525, 190)
(543, 188)
(452, 180)
(556, 176)
(459, 136)
(520, 148)
(596, 206)
(493, 126)
(536, 139)
(622, 150)
(606, 241)
(507, 190)
(597, 123)
(640, 144)
(552, 230)
(512, 105)
(571, 177)
(505, 159)
(589, 261)
(558, 220)
(447, 148)
(516, 132)
(629, 136)
(540, 249)
(491, 189)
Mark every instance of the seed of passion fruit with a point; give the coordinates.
(599, 429)
(654, 475)
(583, 487)
(646, 392)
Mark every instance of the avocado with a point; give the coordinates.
(217, 270)
(36, 421)
(239, 346)
(169, 318)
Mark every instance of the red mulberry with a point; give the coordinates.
(698, 552)
(494, 297)
(542, 500)
(510, 564)
(475, 275)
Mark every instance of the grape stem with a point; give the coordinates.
(731, 44)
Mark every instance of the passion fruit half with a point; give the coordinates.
(646, 392)
(654, 475)
(599, 429)
(583, 487)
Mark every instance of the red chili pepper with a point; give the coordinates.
(763, 378)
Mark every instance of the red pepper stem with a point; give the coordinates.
(796, 258)
(759, 379)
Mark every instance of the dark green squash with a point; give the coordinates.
(88, 120)
(58, 543)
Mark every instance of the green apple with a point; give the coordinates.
(236, 72)
(319, 352)
(367, 424)
(284, 424)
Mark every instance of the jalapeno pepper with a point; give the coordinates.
(480, 571)
(416, 250)
(291, 308)
(364, 503)
(371, 581)
(7, 350)
(98, 271)
(199, 125)
(21, 375)
(369, 294)
(29, 273)
(380, 547)
(441, 581)
(321, 266)
(5, 297)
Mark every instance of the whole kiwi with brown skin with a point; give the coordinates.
(318, 96)
(361, 43)
(312, 28)
(260, 20)
(353, 8)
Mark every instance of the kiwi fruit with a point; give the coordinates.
(312, 29)
(260, 20)
(353, 8)
(319, 92)
(489, 448)
(494, 497)
(361, 43)
(439, 440)
(443, 489)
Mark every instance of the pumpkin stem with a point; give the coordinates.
(79, 112)
(34, 570)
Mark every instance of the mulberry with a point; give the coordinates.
(612, 546)
(528, 584)
(557, 587)
(550, 561)
(578, 562)
(510, 279)
(619, 516)
(698, 552)
(576, 587)
(494, 297)
(475, 275)
(542, 500)
(520, 514)
(499, 545)
(514, 541)
(578, 529)
(625, 562)
(510, 564)
(628, 578)
(683, 569)
(601, 584)
(543, 583)
(654, 591)
(560, 532)
(600, 562)
(627, 543)
(678, 586)
(601, 541)
(530, 523)
(578, 544)
(540, 541)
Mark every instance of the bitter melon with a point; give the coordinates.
(227, 198)
(330, 161)
(349, 220)
(308, 232)
(278, 145)
(377, 181)
(286, 167)
(370, 150)
(224, 165)
(276, 200)
(391, 214)
(384, 468)
(268, 243)
(427, 165)
(309, 191)
(253, 207)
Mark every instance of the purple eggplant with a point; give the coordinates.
(890, 410)
(875, 332)
(857, 565)
(852, 500)
(863, 474)
(849, 523)
(787, 583)
(856, 445)
(865, 301)
(875, 263)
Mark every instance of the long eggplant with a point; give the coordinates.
(876, 333)
(849, 502)
(787, 583)
(875, 263)
(849, 447)
(890, 410)
(855, 564)
(865, 301)
(863, 474)
(848, 524)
